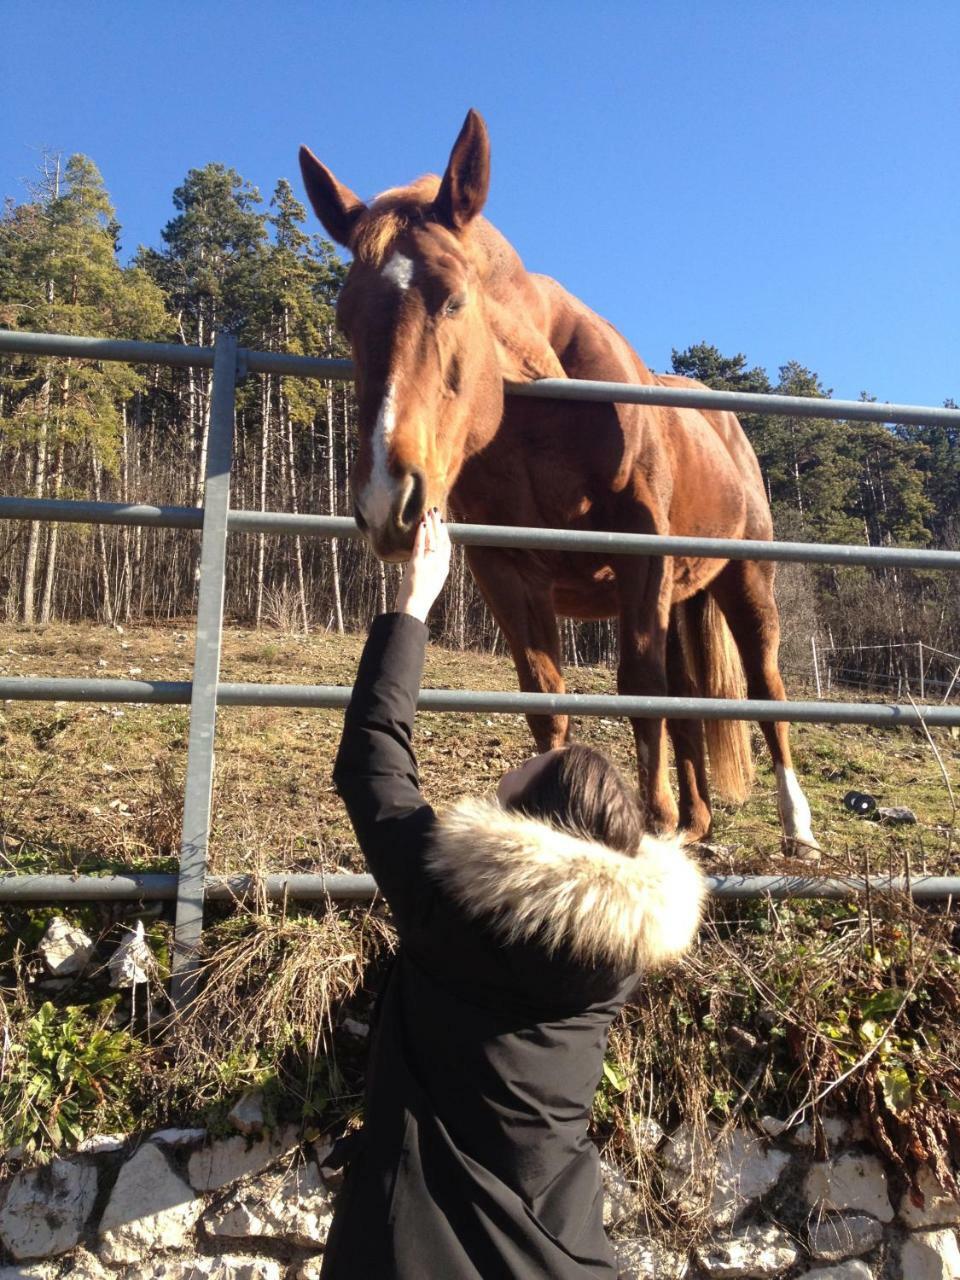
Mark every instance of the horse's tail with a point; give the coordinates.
(713, 667)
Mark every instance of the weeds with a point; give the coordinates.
(786, 1010)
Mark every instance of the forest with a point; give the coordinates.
(231, 261)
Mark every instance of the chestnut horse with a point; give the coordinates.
(440, 311)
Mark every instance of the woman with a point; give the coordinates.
(523, 924)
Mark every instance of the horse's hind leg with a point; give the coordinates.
(523, 607)
(744, 592)
(689, 745)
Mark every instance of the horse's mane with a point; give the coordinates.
(389, 215)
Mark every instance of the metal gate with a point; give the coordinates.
(205, 692)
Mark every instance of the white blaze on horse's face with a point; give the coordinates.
(399, 271)
(376, 500)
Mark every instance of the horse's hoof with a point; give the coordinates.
(801, 850)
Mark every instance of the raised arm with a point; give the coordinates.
(376, 770)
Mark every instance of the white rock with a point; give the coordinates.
(930, 1255)
(850, 1182)
(646, 1133)
(39, 1271)
(740, 1168)
(646, 1259)
(222, 1267)
(100, 1143)
(86, 1266)
(296, 1208)
(846, 1271)
(177, 1137)
(756, 1252)
(619, 1197)
(310, 1269)
(247, 1114)
(835, 1130)
(322, 1149)
(773, 1127)
(45, 1209)
(834, 1237)
(226, 1160)
(940, 1208)
(150, 1208)
(65, 949)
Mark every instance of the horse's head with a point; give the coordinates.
(428, 375)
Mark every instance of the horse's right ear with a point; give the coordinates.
(334, 204)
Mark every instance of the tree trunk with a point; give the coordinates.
(103, 559)
(264, 459)
(37, 487)
(53, 541)
(332, 510)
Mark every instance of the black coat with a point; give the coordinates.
(518, 945)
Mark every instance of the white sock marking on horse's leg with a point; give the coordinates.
(399, 271)
(376, 501)
(794, 808)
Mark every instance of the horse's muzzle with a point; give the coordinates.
(392, 539)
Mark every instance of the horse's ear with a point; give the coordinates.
(334, 204)
(463, 191)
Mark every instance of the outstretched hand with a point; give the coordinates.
(426, 570)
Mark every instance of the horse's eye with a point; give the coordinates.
(455, 304)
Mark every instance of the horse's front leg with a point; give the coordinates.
(645, 589)
(522, 603)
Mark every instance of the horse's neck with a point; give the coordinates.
(505, 278)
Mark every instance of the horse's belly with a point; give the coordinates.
(589, 598)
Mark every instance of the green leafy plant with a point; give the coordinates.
(66, 1075)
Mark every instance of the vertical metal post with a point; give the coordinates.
(206, 672)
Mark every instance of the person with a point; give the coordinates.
(523, 922)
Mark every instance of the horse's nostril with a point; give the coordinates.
(412, 508)
(358, 516)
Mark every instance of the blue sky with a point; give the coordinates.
(781, 179)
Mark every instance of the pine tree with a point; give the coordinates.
(62, 276)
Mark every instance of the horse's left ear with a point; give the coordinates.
(463, 191)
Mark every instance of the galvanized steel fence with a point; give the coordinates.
(205, 692)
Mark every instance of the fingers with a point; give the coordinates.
(419, 541)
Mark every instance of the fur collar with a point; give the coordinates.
(530, 879)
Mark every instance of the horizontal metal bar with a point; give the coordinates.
(60, 344)
(37, 689)
(296, 366)
(168, 353)
(582, 389)
(921, 888)
(299, 887)
(487, 535)
(66, 511)
(579, 389)
(137, 887)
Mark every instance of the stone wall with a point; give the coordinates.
(180, 1204)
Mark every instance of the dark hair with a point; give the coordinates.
(582, 791)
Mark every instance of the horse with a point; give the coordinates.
(440, 313)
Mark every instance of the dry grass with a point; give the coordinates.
(84, 786)
(783, 1007)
